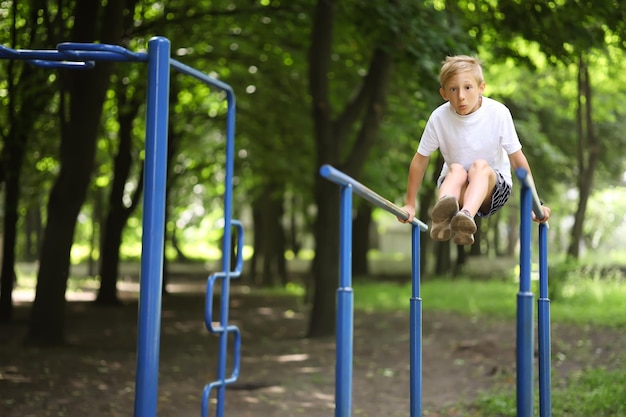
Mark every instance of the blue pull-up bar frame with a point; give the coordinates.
(158, 58)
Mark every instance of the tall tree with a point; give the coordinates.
(25, 104)
(565, 33)
(117, 211)
(346, 130)
(587, 153)
(83, 93)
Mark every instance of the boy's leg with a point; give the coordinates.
(481, 181)
(480, 187)
(454, 183)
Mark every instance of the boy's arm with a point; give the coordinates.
(518, 160)
(418, 166)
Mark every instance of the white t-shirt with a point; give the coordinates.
(488, 133)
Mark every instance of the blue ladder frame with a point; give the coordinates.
(158, 58)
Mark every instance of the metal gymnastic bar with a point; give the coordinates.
(345, 296)
(525, 346)
(338, 177)
(345, 301)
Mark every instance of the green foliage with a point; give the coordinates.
(260, 48)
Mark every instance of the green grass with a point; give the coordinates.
(593, 393)
(580, 301)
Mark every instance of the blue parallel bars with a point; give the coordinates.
(416, 326)
(543, 305)
(345, 296)
(525, 346)
(345, 302)
(345, 308)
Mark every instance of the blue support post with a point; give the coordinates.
(226, 275)
(151, 281)
(345, 309)
(543, 306)
(525, 324)
(226, 250)
(416, 327)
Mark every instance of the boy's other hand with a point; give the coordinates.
(546, 215)
(410, 210)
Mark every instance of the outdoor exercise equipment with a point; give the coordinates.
(72, 55)
(345, 301)
(159, 61)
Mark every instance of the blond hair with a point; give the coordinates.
(453, 65)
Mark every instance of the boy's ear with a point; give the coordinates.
(443, 93)
(482, 87)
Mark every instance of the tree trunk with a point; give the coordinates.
(118, 214)
(588, 155)
(24, 95)
(9, 237)
(361, 238)
(478, 237)
(95, 239)
(85, 93)
(12, 159)
(33, 230)
(443, 260)
(326, 261)
(269, 237)
(365, 110)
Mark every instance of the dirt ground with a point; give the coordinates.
(282, 373)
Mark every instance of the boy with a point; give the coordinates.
(479, 145)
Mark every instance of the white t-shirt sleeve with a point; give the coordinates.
(430, 140)
(510, 140)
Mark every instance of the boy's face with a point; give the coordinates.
(463, 92)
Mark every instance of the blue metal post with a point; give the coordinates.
(226, 250)
(543, 305)
(416, 327)
(226, 275)
(151, 281)
(525, 312)
(345, 309)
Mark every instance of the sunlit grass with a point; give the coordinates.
(583, 301)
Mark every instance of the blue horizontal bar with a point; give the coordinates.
(185, 69)
(338, 177)
(71, 53)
